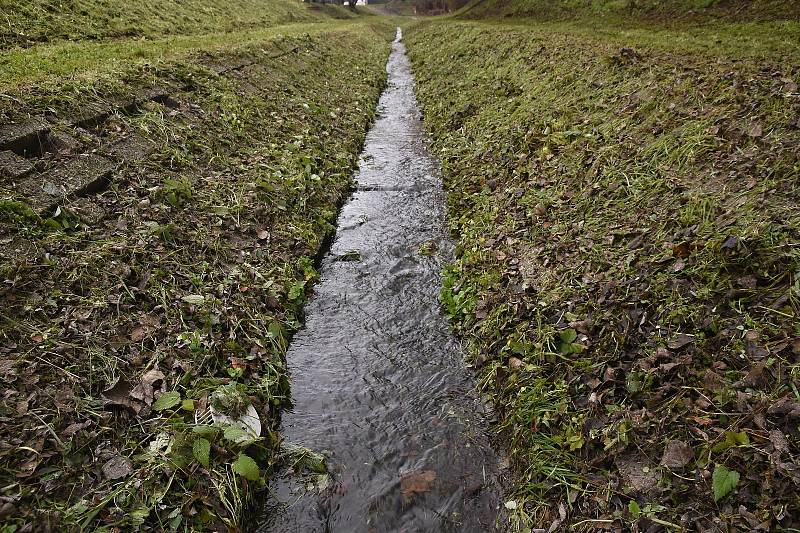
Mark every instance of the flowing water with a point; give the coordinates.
(378, 381)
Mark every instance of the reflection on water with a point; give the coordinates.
(378, 381)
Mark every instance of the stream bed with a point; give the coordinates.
(378, 381)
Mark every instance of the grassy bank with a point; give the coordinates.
(627, 266)
(29, 22)
(88, 61)
(146, 315)
(677, 13)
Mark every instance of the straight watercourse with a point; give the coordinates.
(378, 381)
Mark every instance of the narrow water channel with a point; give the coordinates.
(378, 381)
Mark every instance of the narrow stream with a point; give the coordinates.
(378, 381)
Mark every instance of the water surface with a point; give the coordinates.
(378, 381)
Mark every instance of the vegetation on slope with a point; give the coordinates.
(673, 12)
(26, 22)
(628, 269)
(126, 315)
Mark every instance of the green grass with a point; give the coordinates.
(664, 12)
(769, 40)
(92, 59)
(611, 189)
(186, 277)
(25, 22)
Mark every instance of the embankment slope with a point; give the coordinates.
(627, 268)
(158, 226)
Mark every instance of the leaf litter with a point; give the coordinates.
(627, 266)
(124, 313)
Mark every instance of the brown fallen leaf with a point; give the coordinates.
(713, 381)
(682, 250)
(785, 406)
(117, 467)
(677, 454)
(27, 468)
(701, 420)
(636, 473)
(71, 429)
(755, 376)
(779, 441)
(135, 398)
(138, 334)
(679, 341)
(417, 482)
(729, 244)
(515, 363)
(146, 388)
(119, 395)
(747, 282)
(147, 325)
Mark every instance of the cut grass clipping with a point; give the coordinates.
(29, 22)
(627, 268)
(143, 326)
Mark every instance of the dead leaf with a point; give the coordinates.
(137, 397)
(26, 468)
(417, 482)
(701, 420)
(785, 406)
(680, 341)
(119, 395)
(779, 441)
(755, 377)
(747, 282)
(71, 429)
(146, 388)
(147, 325)
(138, 334)
(515, 363)
(677, 454)
(729, 245)
(636, 473)
(581, 326)
(117, 467)
(713, 381)
(682, 250)
(7, 369)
